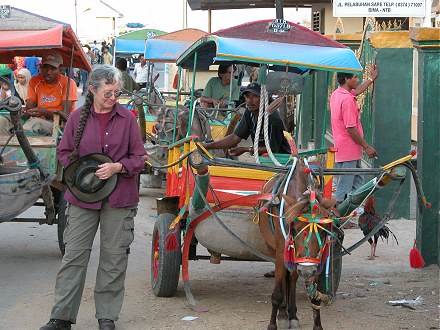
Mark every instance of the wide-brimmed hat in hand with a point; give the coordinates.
(84, 184)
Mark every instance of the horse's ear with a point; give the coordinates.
(289, 200)
(326, 202)
(296, 209)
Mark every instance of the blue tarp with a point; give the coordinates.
(126, 46)
(215, 48)
(162, 50)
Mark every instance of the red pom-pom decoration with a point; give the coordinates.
(264, 209)
(355, 213)
(315, 207)
(305, 233)
(413, 152)
(307, 170)
(415, 258)
(428, 205)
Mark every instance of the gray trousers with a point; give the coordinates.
(116, 231)
(348, 183)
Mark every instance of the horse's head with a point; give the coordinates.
(309, 225)
(164, 128)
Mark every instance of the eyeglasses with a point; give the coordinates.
(108, 94)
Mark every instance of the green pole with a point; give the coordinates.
(179, 74)
(192, 95)
(427, 43)
(324, 122)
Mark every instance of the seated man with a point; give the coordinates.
(247, 126)
(216, 92)
(47, 93)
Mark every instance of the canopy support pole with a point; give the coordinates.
(279, 9)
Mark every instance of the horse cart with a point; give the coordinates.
(30, 174)
(276, 208)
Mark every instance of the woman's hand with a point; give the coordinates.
(106, 170)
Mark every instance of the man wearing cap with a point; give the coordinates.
(47, 94)
(247, 126)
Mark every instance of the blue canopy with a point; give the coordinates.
(162, 50)
(214, 48)
(276, 43)
(127, 46)
(168, 47)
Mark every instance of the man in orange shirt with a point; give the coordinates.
(47, 93)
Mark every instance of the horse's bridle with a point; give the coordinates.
(315, 223)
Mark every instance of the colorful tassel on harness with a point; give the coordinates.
(171, 243)
(289, 254)
(415, 258)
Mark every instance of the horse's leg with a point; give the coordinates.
(279, 301)
(316, 315)
(293, 319)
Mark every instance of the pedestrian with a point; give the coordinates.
(84, 74)
(32, 63)
(107, 58)
(347, 130)
(22, 83)
(96, 52)
(102, 153)
(140, 72)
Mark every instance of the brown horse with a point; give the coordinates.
(165, 128)
(308, 229)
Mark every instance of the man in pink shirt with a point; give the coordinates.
(347, 130)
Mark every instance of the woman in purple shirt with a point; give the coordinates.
(102, 126)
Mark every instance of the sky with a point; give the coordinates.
(165, 15)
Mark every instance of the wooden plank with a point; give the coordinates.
(242, 173)
(35, 141)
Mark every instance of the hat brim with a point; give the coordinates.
(54, 64)
(90, 198)
(251, 91)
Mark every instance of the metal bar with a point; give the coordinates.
(279, 4)
(192, 94)
(179, 76)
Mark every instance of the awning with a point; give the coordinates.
(37, 35)
(254, 43)
(168, 47)
(128, 47)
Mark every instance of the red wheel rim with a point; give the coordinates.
(156, 256)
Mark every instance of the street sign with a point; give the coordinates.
(387, 8)
(279, 26)
(5, 11)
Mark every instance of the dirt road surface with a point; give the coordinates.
(232, 295)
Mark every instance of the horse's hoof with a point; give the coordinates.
(283, 324)
(294, 324)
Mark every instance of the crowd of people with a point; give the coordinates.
(102, 153)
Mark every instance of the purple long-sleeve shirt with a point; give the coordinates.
(122, 142)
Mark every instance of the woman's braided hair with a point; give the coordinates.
(100, 73)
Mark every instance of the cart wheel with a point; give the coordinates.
(334, 274)
(61, 221)
(165, 265)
